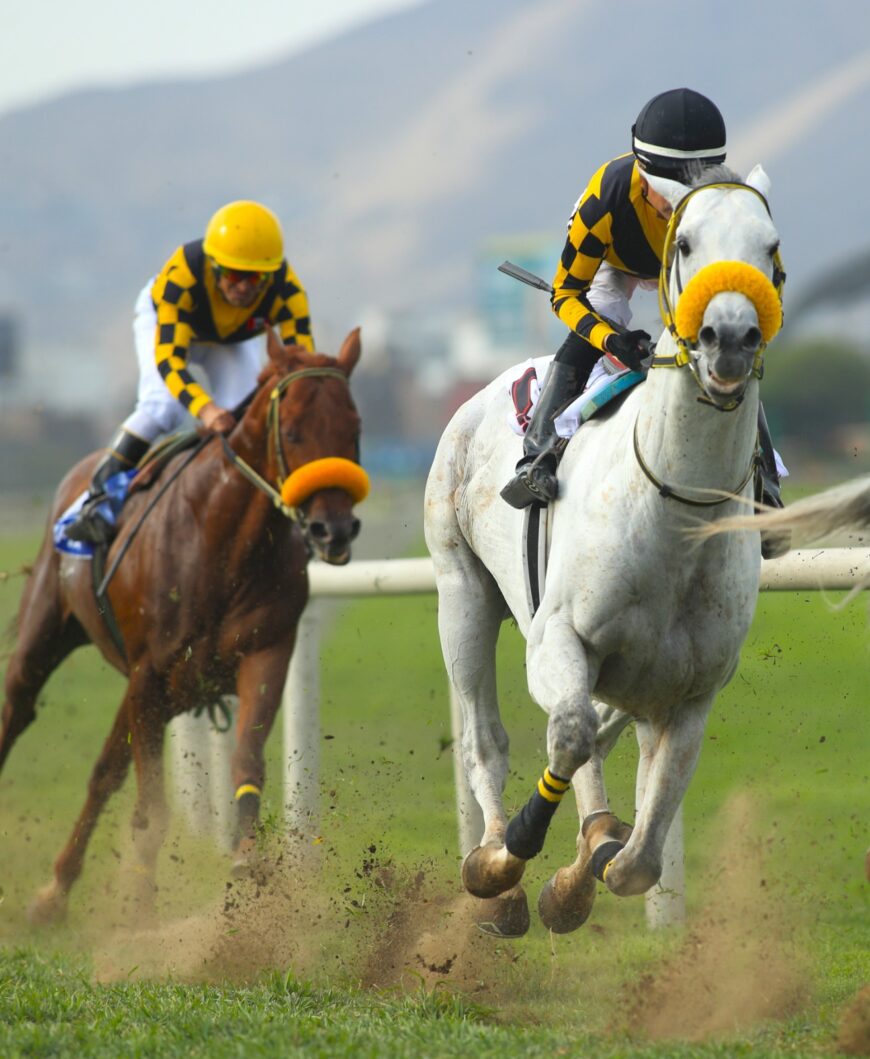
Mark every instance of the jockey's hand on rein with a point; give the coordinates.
(631, 348)
(217, 420)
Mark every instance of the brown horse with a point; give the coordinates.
(206, 599)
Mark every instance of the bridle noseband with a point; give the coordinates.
(356, 481)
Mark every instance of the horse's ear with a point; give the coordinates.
(759, 180)
(350, 352)
(672, 190)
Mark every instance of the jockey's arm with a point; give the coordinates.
(588, 237)
(172, 343)
(290, 313)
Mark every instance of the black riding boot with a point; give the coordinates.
(125, 451)
(772, 544)
(535, 480)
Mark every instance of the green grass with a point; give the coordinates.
(775, 839)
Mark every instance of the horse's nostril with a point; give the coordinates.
(319, 531)
(707, 335)
(752, 339)
(355, 526)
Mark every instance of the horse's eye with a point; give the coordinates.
(683, 245)
(292, 438)
(774, 248)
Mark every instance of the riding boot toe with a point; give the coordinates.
(534, 483)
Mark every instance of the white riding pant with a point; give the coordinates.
(611, 290)
(228, 372)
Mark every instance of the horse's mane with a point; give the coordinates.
(698, 175)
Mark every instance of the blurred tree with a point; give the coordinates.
(815, 387)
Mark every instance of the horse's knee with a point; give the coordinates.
(629, 875)
(571, 734)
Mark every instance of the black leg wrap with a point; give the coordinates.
(248, 810)
(526, 832)
(602, 856)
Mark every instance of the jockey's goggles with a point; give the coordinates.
(237, 275)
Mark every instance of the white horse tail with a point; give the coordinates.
(843, 508)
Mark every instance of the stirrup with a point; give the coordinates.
(534, 483)
(89, 526)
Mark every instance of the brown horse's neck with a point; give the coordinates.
(250, 439)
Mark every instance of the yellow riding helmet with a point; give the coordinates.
(246, 236)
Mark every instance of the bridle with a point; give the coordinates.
(332, 471)
(684, 324)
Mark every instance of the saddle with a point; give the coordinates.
(151, 466)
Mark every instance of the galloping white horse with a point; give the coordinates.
(635, 622)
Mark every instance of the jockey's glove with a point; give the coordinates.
(631, 347)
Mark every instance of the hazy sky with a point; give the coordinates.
(49, 47)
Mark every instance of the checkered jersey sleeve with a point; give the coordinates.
(290, 312)
(589, 237)
(173, 299)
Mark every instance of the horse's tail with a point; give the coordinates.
(841, 509)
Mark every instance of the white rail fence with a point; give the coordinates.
(201, 755)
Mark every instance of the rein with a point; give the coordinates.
(668, 491)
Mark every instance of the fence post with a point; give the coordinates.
(190, 754)
(301, 708)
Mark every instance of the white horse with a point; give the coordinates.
(635, 622)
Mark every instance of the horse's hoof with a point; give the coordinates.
(249, 863)
(48, 908)
(490, 870)
(504, 917)
(565, 902)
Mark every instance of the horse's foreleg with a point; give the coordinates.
(567, 898)
(150, 814)
(673, 748)
(470, 612)
(260, 683)
(50, 903)
(559, 680)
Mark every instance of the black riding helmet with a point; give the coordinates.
(676, 128)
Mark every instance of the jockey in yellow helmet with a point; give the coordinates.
(208, 306)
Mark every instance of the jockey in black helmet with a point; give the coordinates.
(615, 243)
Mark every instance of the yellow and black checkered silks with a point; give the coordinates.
(612, 222)
(190, 309)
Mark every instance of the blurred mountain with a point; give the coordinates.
(392, 152)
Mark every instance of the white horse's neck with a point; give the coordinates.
(688, 443)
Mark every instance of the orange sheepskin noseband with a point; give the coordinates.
(332, 472)
(722, 276)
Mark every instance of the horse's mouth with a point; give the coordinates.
(719, 388)
(332, 555)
